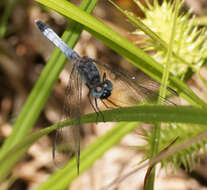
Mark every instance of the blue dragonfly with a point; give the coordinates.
(87, 70)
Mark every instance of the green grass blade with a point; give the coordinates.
(144, 113)
(139, 24)
(64, 177)
(43, 87)
(121, 45)
(8, 160)
(157, 128)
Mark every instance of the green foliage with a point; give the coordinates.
(37, 98)
(188, 37)
(16, 145)
(187, 157)
(179, 45)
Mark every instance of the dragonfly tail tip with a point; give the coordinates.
(41, 25)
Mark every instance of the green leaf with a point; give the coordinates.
(64, 177)
(37, 98)
(139, 24)
(144, 113)
(121, 45)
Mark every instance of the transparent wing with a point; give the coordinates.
(70, 136)
(72, 102)
(129, 90)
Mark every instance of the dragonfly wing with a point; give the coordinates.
(71, 109)
(72, 102)
(138, 88)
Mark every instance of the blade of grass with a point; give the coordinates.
(144, 113)
(43, 87)
(157, 128)
(138, 23)
(122, 46)
(63, 178)
(159, 157)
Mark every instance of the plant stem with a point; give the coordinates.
(157, 126)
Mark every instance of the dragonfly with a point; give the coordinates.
(100, 87)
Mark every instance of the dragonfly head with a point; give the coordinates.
(103, 90)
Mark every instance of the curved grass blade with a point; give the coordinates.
(145, 113)
(125, 48)
(36, 101)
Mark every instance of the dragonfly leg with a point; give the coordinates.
(99, 109)
(105, 104)
(113, 103)
(97, 114)
(104, 77)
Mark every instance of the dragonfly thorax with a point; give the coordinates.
(103, 90)
(88, 71)
(90, 74)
